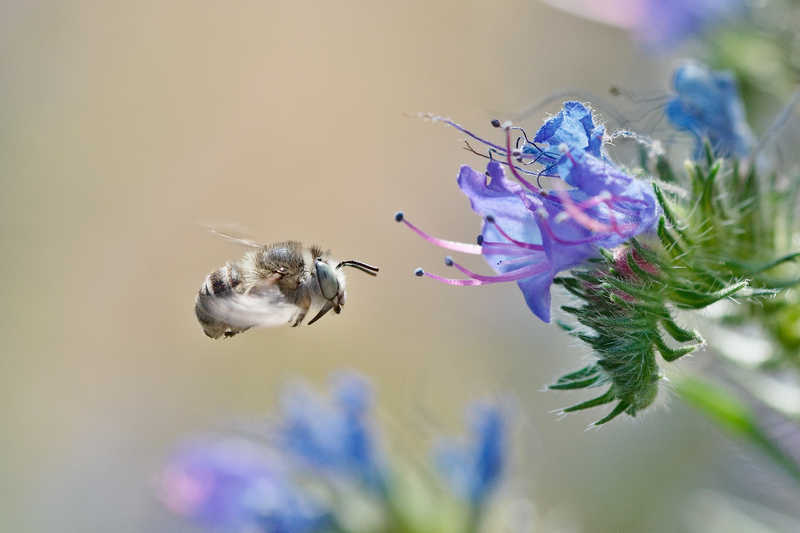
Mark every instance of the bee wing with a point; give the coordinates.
(234, 238)
(262, 305)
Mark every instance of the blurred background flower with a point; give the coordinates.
(232, 484)
(658, 25)
(256, 484)
(707, 104)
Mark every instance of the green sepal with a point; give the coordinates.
(670, 243)
(664, 170)
(587, 376)
(673, 354)
(564, 326)
(608, 397)
(620, 408)
(709, 151)
(665, 207)
(689, 299)
(633, 264)
(707, 196)
(680, 334)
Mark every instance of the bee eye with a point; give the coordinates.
(328, 283)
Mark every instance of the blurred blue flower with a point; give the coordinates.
(707, 104)
(335, 436)
(473, 467)
(664, 24)
(529, 233)
(235, 485)
(658, 25)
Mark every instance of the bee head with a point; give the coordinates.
(326, 277)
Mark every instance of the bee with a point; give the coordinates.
(271, 286)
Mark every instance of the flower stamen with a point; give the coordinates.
(448, 245)
(479, 279)
(537, 247)
(436, 118)
(507, 127)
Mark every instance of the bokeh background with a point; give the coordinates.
(125, 128)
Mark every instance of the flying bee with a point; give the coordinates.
(271, 286)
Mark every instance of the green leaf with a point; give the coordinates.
(727, 410)
(720, 405)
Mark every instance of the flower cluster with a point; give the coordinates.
(634, 247)
(322, 466)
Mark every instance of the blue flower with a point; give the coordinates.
(473, 467)
(530, 234)
(336, 436)
(574, 127)
(707, 104)
(236, 485)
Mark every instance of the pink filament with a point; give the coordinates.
(577, 214)
(506, 248)
(450, 281)
(575, 211)
(478, 279)
(587, 240)
(558, 239)
(449, 245)
(527, 246)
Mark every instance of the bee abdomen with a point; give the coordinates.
(223, 281)
(219, 284)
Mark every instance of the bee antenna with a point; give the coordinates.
(363, 267)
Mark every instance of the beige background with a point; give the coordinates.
(125, 127)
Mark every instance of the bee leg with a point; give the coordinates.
(301, 314)
(328, 306)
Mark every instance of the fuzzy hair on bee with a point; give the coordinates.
(271, 286)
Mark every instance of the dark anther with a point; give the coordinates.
(419, 272)
(490, 219)
(448, 261)
(495, 123)
(480, 240)
(399, 216)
